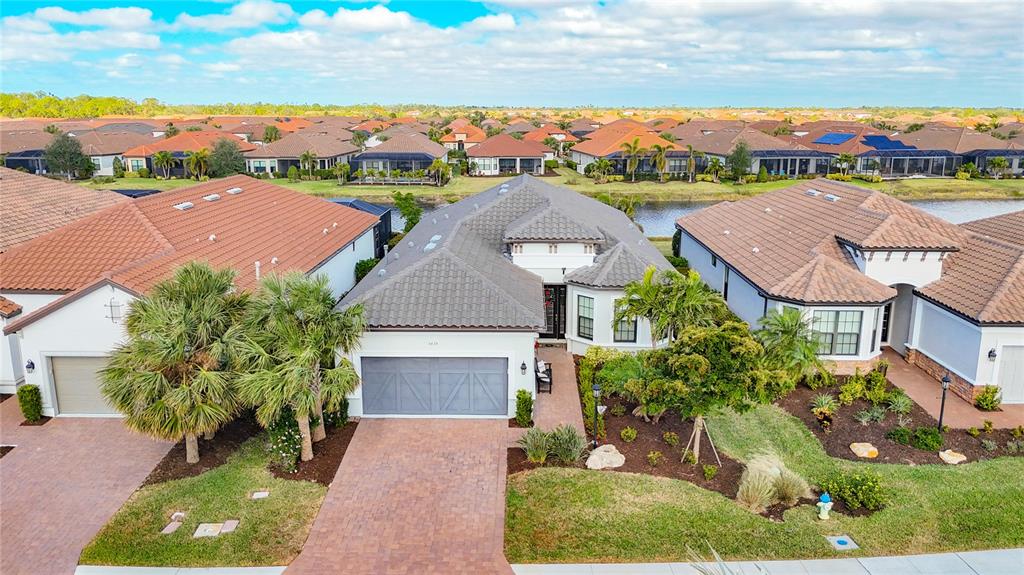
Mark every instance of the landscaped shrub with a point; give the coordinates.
(901, 435)
(293, 174)
(524, 408)
(628, 434)
(876, 414)
(337, 418)
(682, 265)
(550, 164)
(988, 445)
(144, 172)
(363, 267)
(536, 444)
(790, 488)
(856, 490)
(567, 444)
(677, 238)
(900, 403)
(987, 426)
(756, 492)
(671, 438)
(589, 366)
(840, 177)
(877, 388)
(927, 439)
(820, 378)
(1015, 446)
(1018, 432)
(961, 175)
(654, 458)
(862, 417)
(30, 400)
(285, 441)
(989, 399)
(132, 175)
(973, 431)
(762, 174)
(855, 388)
(394, 240)
(710, 471)
(618, 410)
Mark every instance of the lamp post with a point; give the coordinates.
(942, 407)
(597, 396)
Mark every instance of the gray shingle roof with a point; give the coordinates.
(464, 280)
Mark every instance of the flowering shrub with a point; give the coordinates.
(285, 442)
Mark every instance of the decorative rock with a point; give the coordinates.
(260, 494)
(171, 527)
(952, 457)
(208, 530)
(865, 450)
(605, 457)
(178, 516)
(229, 526)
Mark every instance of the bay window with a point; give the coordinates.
(838, 332)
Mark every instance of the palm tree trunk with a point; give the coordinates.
(320, 431)
(698, 429)
(307, 444)
(191, 448)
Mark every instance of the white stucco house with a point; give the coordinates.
(73, 285)
(870, 271)
(456, 309)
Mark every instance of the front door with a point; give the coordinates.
(554, 312)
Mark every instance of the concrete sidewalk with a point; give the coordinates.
(994, 562)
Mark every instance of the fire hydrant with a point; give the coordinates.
(824, 505)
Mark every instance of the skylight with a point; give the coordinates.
(184, 206)
(212, 197)
(234, 191)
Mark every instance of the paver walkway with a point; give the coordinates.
(927, 392)
(61, 483)
(994, 562)
(416, 497)
(562, 405)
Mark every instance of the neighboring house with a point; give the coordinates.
(870, 271)
(179, 146)
(606, 143)
(581, 127)
(75, 284)
(779, 157)
(382, 136)
(31, 206)
(463, 137)
(966, 144)
(103, 147)
(382, 230)
(520, 127)
(139, 127)
(24, 149)
(1013, 131)
(370, 126)
(503, 154)
(276, 157)
(404, 152)
(661, 124)
(551, 131)
(697, 128)
(455, 310)
(251, 132)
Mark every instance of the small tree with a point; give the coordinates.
(271, 134)
(691, 160)
(342, 170)
(359, 138)
(51, 129)
(164, 160)
(442, 171)
(600, 169)
(647, 298)
(198, 162)
(407, 206)
(715, 169)
(293, 173)
(308, 161)
(170, 130)
(789, 344)
(762, 174)
(738, 162)
(998, 165)
(553, 143)
(118, 167)
(845, 162)
(63, 155)
(226, 159)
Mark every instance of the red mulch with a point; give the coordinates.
(846, 430)
(212, 453)
(512, 423)
(5, 449)
(42, 421)
(327, 456)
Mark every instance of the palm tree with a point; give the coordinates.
(659, 158)
(341, 170)
(441, 170)
(198, 162)
(647, 298)
(691, 302)
(165, 161)
(271, 134)
(600, 169)
(789, 344)
(633, 153)
(845, 162)
(308, 160)
(715, 168)
(691, 161)
(564, 125)
(174, 376)
(292, 334)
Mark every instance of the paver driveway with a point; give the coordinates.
(414, 496)
(61, 484)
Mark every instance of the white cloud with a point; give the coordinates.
(492, 23)
(124, 18)
(375, 19)
(246, 15)
(221, 67)
(171, 59)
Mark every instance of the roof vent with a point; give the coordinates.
(475, 205)
(382, 272)
(212, 197)
(812, 193)
(234, 191)
(335, 225)
(503, 190)
(429, 246)
(184, 206)
(756, 250)
(446, 216)
(325, 231)
(435, 237)
(767, 210)
(274, 260)
(726, 232)
(412, 244)
(832, 198)
(213, 237)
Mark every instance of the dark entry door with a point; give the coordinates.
(554, 312)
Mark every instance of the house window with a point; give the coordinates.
(714, 261)
(625, 330)
(517, 248)
(96, 164)
(874, 330)
(552, 248)
(725, 286)
(114, 310)
(138, 165)
(588, 248)
(585, 317)
(838, 332)
(259, 166)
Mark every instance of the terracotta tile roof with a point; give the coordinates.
(503, 145)
(956, 140)
(33, 205)
(137, 244)
(456, 124)
(854, 145)
(371, 125)
(469, 133)
(98, 143)
(1008, 228)
(251, 128)
(324, 144)
(292, 124)
(187, 142)
(519, 127)
(540, 134)
(8, 308)
(722, 141)
(412, 143)
(698, 128)
(609, 139)
(14, 141)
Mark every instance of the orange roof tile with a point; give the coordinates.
(549, 130)
(468, 133)
(371, 126)
(187, 142)
(8, 308)
(608, 140)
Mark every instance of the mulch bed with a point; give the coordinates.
(212, 453)
(512, 423)
(42, 421)
(846, 430)
(5, 449)
(327, 456)
(5, 396)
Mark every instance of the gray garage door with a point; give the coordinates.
(435, 385)
(76, 381)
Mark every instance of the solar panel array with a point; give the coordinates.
(884, 143)
(834, 138)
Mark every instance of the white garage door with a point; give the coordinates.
(76, 382)
(1011, 373)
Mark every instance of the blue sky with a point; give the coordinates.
(770, 53)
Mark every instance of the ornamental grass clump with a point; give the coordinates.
(767, 481)
(537, 445)
(567, 444)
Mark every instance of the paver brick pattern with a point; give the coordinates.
(562, 405)
(61, 483)
(416, 497)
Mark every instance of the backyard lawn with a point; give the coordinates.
(271, 531)
(573, 515)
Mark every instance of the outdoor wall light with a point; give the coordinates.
(30, 366)
(522, 368)
(992, 354)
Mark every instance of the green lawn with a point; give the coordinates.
(271, 531)
(571, 515)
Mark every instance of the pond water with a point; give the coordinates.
(659, 219)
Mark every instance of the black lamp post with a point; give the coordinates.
(942, 408)
(597, 396)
